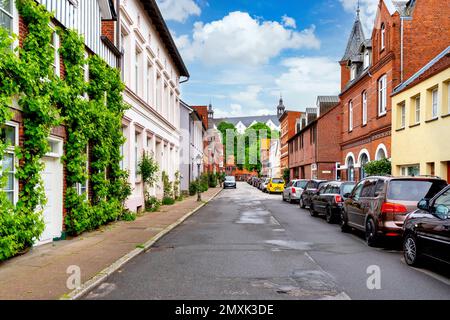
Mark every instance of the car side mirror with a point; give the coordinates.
(424, 205)
(442, 212)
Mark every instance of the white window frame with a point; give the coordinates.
(79, 187)
(382, 95)
(434, 103)
(364, 108)
(402, 115)
(10, 150)
(137, 67)
(350, 116)
(9, 14)
(353, 71)
(417, 109)
(366, 59)
(150, 83)
(56, 57)
(383, 36)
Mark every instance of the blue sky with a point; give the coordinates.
(242, 54)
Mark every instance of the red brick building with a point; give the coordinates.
(314, 150)
(288, 124)
(406, 35)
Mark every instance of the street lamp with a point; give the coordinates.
(199, 163)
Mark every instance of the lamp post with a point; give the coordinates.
(199, 163)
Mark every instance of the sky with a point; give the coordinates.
(243, 54)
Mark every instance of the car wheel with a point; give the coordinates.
(372, 238)
(311, 211)
(290, 199)
(301, 203)
(344, 226)
(411, 251)
(329, 216)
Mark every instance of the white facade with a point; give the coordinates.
(151, 76)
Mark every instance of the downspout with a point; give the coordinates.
(401, 49)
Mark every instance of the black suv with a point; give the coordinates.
(379, 205)
(427, 230)
(330, 199)
(310, 190)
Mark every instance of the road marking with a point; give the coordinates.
(429, 273)
(274, 221)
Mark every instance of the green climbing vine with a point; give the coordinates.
(93, 123)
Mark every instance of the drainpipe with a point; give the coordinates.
(401, 49)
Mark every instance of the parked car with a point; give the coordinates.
(263, 184)
(230, 182)
(255, 181)
(329, 200)
(310, 190)
(427, 230)
(293, 190)
(379, 205)
(275, 185)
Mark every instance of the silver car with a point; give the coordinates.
(294, 190)
(263, 185)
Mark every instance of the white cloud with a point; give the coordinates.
(368, 12)
(242, 40)
(306, 78)
(249, 97)
(234, 110)
(179, 10)
(289, 22)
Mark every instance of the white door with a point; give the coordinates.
(53, 184)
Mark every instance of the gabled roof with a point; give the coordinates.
(151, 7)
(247, 121)
(354, 42)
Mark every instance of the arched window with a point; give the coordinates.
(350, 169)
(364, 159)
(381, 152)
(383, 37)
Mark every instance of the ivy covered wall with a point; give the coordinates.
(91, 112)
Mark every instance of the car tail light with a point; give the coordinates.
(338, 198)
(393, 208)
(270, 185)
(293, 190)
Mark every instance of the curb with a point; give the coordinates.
(105, 273)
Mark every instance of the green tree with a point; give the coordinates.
(255, 131)
(223, 127)
(148, 168)
(378, 168)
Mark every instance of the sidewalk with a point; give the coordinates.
(41, 274)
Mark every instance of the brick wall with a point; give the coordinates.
(329, 136)
(108, 30)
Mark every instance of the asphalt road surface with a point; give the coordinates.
(250, 245)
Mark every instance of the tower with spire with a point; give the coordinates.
(281, 108)
(210, 111)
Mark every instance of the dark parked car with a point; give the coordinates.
(329, 200)
(379, 205)
(427, 230)
(310, 190)
(230, 182)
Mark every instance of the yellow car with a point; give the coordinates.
(275, 185)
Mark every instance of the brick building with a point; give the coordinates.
(406, 35)
(288, 124)
(314, 150)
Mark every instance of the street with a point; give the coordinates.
(249, 245)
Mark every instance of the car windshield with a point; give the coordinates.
(277, 181)
(413, 190)
(231, 179)
(347, 188)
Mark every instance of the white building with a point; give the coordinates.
(151, 68)
(193, 131)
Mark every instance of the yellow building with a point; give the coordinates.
(421, 121)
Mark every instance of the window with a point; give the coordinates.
(136, 70)
(6, 16)
(382, 95)
(366, 59)
(434, 103)
(417, 109)
(350, 169)
(448, 97)
(136, 153)
(9, 134)
(402, 115)
(158, 92)
(368, 190)
(55, 46)
(353, 72)
(82, 188)
(150, 84)
(357, 191)
(410, 171)
(350, 116)
(383, 37)
(364, 108)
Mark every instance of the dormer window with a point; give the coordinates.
(353, 72)
(366, 59)
(383, 37)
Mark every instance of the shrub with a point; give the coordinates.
(152, 204)
(193, 188)
(128, 216)
(212, 180)
(148, 168)
(167, 201)
(204, 183)
(378, 168)
(167, 185)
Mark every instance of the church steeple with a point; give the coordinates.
(210, 111)
(281, 108)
